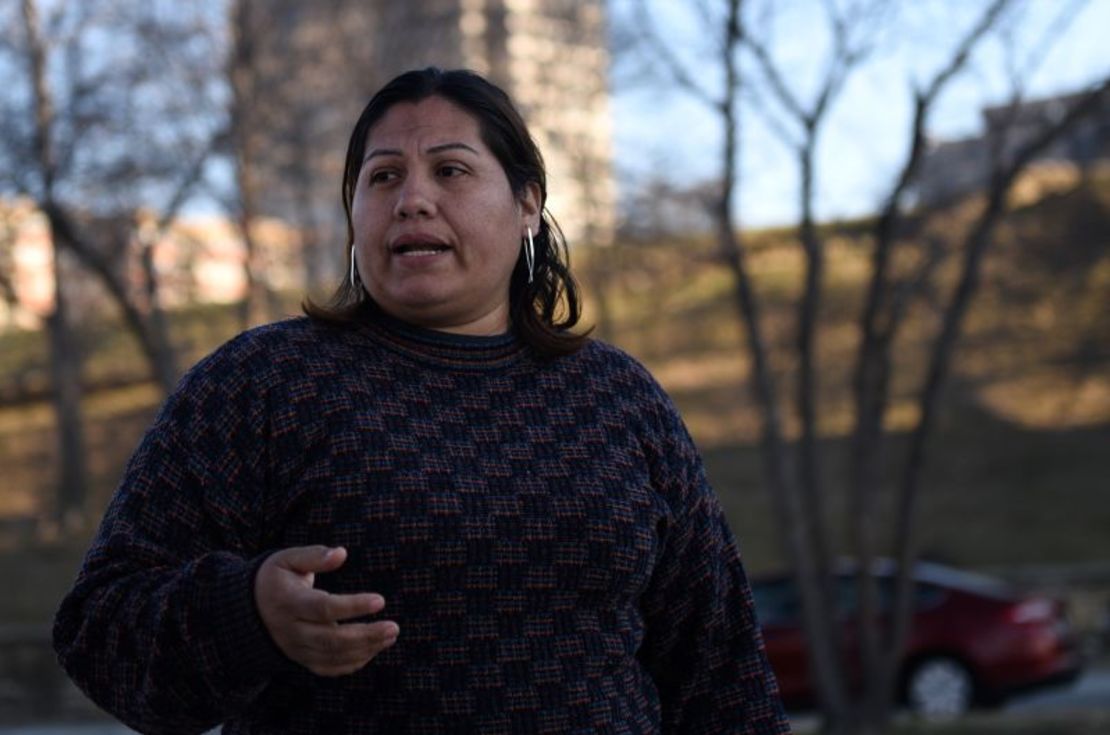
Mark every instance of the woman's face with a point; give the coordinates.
(437, 229)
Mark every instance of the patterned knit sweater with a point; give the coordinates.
(542, 532)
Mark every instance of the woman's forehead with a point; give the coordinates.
(430, 122)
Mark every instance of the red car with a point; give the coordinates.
(974, 640)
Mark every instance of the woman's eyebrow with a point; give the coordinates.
(451, 147)
(374, 153)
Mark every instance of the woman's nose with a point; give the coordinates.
(414, 198)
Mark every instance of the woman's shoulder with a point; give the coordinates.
(260, 341)
(604, 353)
(618, 379)
(267, 351)
(611, 365)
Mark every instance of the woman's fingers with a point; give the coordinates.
(306, 623)
(310, 559)
(351, 641)
(317, 606)
(333, 650)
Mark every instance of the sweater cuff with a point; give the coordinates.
(248, 655)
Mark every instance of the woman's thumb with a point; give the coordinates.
(310, 559)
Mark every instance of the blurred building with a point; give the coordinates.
(310, 69)
(550, 56)
(199, 259)
(956, 168)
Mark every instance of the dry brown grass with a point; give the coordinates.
(1019, 468)
(1018, 464)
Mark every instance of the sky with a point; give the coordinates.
(662, 132)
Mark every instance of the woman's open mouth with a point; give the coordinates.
(412, 246)
(422, 250)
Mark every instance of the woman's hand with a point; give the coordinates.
(306, 623)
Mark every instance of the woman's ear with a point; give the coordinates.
(530, 205)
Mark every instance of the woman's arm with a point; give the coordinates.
(160, 627)
(703, 644)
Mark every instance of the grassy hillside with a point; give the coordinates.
(1019, 465)
(1019, 470)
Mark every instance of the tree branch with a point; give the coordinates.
(873, 367)
(979, 239)
(681, 76)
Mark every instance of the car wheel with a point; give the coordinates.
(940, 688)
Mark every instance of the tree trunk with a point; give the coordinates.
(152, 336)
(65, 353)
(599, 277)
(7, 288)
(791, 516)
(65, 372)
(311, 241)
(812, 486)
(253, 309)
(940, 362)
(243, 77)
(161, 353)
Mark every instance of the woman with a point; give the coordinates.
(428, 507)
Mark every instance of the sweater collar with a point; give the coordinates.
(445, 349)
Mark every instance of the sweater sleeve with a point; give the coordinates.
(703, 644)
(160, 628)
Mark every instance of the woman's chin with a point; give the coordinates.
(425, 310)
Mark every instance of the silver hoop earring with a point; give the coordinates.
(529, 253)
(353, 275)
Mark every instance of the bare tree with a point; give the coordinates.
(798, 498)
(96, 134)
(884, 313)
(873, 372)
(298, 74)
(112, 138)
(852, 30)
(1004, 173)
(787, 501)
(65, 362)
(246, 118)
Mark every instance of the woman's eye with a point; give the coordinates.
(381, 176)
(451, 170)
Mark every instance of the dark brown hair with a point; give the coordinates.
(543, 311)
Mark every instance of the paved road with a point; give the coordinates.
(1090, 692)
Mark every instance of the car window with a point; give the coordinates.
(776, 602)
(925, 595)
(847, 597)
(961, 579)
